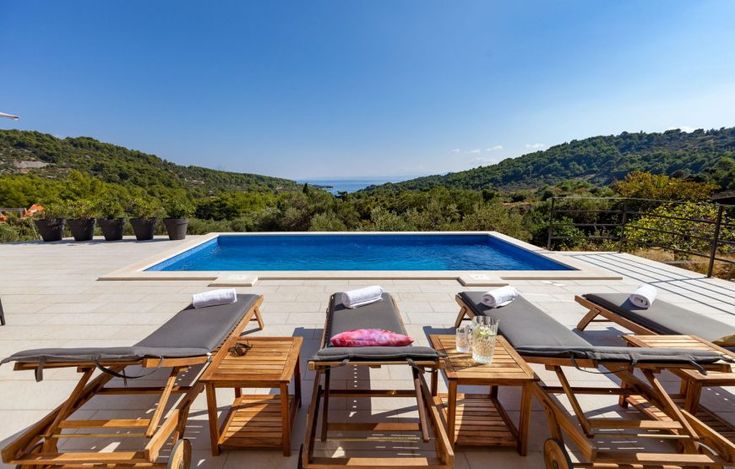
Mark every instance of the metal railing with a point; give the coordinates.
(617, 218)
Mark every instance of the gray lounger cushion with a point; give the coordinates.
(380, 315)
(662, 317)
(534, 333)
(190, 333)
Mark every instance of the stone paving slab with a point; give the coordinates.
(52, 298)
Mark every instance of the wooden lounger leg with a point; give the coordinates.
(49, 442)
(420, 404)
(307, 451)
(162, 401)
(587, 319)
(259, 318)
(671, 408)
(569, 392)
(463, 311)
(325, 409)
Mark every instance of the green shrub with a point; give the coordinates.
(17, 229)
(56, 209)
(495, 217)
(109, 206)
(144, 207)
(327, 221)
(81, 208)
(178, 207)
(661, 227)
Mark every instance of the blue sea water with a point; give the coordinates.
(357, 252)
(335, 186)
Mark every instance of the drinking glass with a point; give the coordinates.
(484, 333)
(462, 338)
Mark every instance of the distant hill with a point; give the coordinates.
(704, 155)
(49, 156)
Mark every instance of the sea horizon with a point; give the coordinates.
(336, 185)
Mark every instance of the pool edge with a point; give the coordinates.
(583, 271)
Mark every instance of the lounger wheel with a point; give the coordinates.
(180, 455)
(556, 456)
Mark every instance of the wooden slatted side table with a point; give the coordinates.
(480, 419)
(255, 420)
(692, 381)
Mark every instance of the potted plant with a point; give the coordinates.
(177, 211)
(81, 221)
(144, 212)
(50, 222)
(112, 217)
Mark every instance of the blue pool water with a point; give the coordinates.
(357, 252)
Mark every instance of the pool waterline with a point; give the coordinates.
(355, 252)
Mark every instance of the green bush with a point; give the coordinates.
(327, 221)
(662, 227)
(178, 207)
(144, 207)
(109, 206)
(17, 229)
(80, 208)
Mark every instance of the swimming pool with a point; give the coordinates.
(357, 252)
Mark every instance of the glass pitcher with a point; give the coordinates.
(484, 333)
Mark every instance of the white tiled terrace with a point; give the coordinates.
(52, 298)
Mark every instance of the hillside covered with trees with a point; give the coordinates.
(703, 155)
(43, 155)
(77, 178)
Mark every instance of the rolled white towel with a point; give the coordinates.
(223, 296)
(362, 296)
(644, 296)
(498, 297)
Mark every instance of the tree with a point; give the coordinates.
(662, 187)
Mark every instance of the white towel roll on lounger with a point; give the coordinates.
(644, 296)
(498, 297)
(362, 296)
(223, 296)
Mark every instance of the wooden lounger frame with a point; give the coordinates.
(698, 445)
(595, 310)
(430, 419)
(37, 446)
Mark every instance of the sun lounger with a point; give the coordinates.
(538, 338)
(187, 339)
(661, 318)
(417, 359)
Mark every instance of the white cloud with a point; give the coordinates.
(494, 148)
(455, 150)
(476, 150)
(535, 146)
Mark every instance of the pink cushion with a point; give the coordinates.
(369, 338)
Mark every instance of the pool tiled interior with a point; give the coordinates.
(52, 298)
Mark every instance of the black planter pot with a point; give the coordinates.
(176, 227)
(50, 229)
(82, 228)
(143, 228)
(112, 228)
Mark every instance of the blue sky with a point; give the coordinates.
(306, 89)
